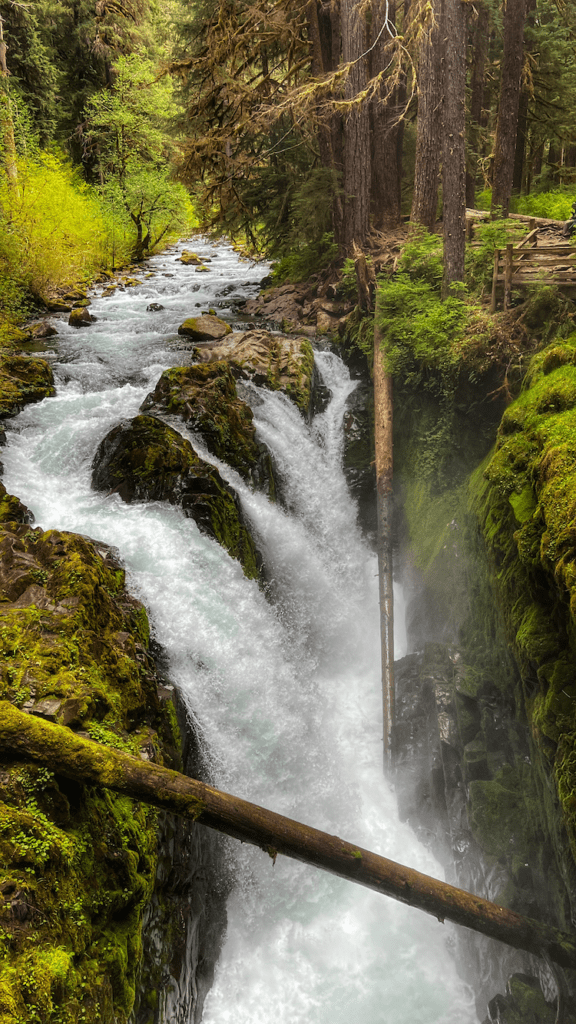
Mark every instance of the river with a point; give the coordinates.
(284, 686)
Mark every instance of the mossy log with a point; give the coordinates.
(384, 516)
(69, 755)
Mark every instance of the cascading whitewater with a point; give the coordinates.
(284, 685)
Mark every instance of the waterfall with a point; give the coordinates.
(284, 684)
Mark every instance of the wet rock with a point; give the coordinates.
(130, 282)
(81, 318)
(202, 270)
(58, 305)
(23, 379)
(154, 307)
(11, 508)
(205, 397)
(145, 460)
(205, 328)
(358, 462)
(41, 330)
(280, 363)
(190, 259)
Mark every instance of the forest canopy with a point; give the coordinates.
(305, 129)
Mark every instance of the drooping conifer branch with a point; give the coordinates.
(65, 753)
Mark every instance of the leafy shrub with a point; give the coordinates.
(556, 204)
(422, 256)
(421, 331)
(53, 226)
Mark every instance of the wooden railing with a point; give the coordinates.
(525, 264)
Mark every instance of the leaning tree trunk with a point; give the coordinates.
(425, 197)
(453, 142)
(507, 125)
(356, 130)
(67, 754)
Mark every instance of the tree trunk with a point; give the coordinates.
(356, 130)
(453, 142)
(425, 197)
(477, 81)
(385, 127)
(67, 754)
(6, 119)
(522, 132)
(383, 421)
(553, 160)
(507, 125)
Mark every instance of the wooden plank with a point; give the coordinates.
(494, 280)
(508, 264)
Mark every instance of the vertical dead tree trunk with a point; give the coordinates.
(385, 122)
(383, 422)
(477, 82)
(356, 129)
(507, 125)
(425, 197)
(453, 142)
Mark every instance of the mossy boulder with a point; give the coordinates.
(11, 508)
(145, 460)
(204, 328)
(206, 399)
(272, 360)
(190, 259)
(78, 864)
(22, 380)
(80, 317)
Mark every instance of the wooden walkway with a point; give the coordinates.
(527, 263)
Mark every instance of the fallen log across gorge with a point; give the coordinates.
(60, 749)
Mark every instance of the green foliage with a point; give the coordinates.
(422, 257)
(301, 262)
(420, 330)
(126, 129)
(53, 226)
(555, 204)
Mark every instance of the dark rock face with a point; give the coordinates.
(154, 307)
(145, 460)
(359, 455)
(205, 397)
(465, 784)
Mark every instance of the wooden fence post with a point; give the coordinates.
(495, 280)
(508, 267)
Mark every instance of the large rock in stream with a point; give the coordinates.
(271, 360)
(145, 460)
(205, 397)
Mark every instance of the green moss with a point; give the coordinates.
(526, 502)
(148, 460)
(204, 395)
(78, 863)
(23, 380)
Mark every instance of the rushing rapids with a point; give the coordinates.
(284, 686)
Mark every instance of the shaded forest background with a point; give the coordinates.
(302, 129)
